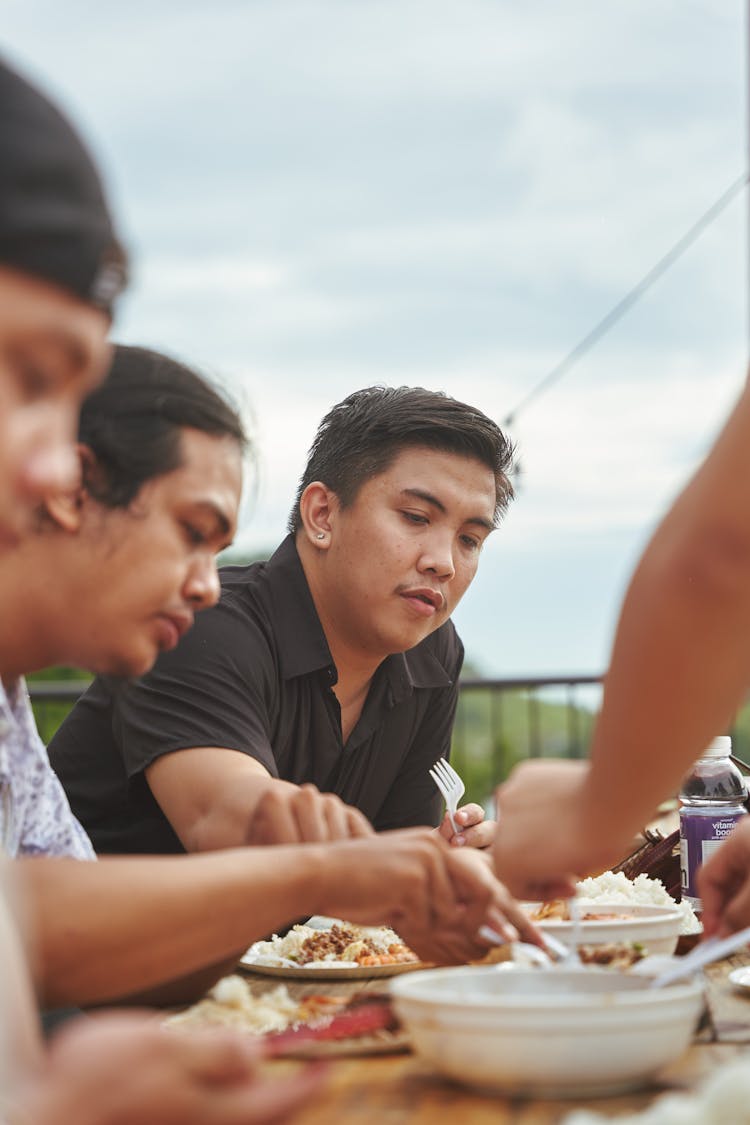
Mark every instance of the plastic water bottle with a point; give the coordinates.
(712, 800)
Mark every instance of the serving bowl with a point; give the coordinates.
(560, 1033)
(656, 928)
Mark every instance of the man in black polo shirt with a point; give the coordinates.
(310, 703)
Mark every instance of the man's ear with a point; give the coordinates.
(65, 508)
(318, 506)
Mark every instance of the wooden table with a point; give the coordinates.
(396, 1089)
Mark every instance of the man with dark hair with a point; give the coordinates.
(311, 702)
(113, 573)
(61, 268)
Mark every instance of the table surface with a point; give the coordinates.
(398, 1088)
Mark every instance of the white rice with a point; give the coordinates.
(232, 1003)
(609, 887)
(287, 949)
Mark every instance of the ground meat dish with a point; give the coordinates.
(326, 943)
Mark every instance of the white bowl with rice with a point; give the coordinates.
(615, 887)
(650, 929)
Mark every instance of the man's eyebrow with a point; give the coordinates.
(219, 515)
(420, 494)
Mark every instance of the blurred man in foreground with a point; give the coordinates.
(680, 668)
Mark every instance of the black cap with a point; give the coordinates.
(54, 220)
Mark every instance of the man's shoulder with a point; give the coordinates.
(243, 599)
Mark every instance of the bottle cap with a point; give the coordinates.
(721, 747)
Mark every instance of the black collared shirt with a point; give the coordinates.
(254, 674)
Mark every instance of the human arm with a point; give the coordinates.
(109, 929)
(205, 728)
(20, 1031)
(679, 669)
(108, 1069)
(219, 798)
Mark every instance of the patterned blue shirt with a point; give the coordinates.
(35, 817)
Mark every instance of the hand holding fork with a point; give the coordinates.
(451, 787)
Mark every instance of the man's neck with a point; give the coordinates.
(355, 667)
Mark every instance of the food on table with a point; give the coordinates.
(233, 1002)
(558, 909)
(617, 888)
(342, 944)
(612, 954)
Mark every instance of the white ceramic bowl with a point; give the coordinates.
(656, 928)
(554, 1034)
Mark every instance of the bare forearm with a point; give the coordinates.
(119, 926)
(679, 667)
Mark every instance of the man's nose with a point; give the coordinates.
(437, 557)
(203, 588)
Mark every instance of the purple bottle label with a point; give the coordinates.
(702, 831)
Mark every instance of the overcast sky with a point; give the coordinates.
(324, 194)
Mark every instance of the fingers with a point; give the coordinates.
(724, 885)
(274, 821)
(265, 1101)
(324, 817)
(300, 814)
(507, 907)
(446, 829)
(357, 824)
(481, 836)
(475, 887)
(214, 1057)
(473, 830)
(737, 912)
(316, 816)
(442, 899)
(469, 815)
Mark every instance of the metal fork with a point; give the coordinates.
(451, 787)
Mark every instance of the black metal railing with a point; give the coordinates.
(499, 722)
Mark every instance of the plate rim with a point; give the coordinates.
(346, 972)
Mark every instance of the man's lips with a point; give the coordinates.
(424, 599)
(172, 626)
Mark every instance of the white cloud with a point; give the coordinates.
(324, 194)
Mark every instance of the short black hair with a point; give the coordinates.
(55, 221)
(361, 436)
(132, 422)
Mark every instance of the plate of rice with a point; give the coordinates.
(330, 949)
(262, 1008)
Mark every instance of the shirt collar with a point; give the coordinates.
(302, 644)
(303, 647)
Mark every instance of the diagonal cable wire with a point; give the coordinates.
(618, 311)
